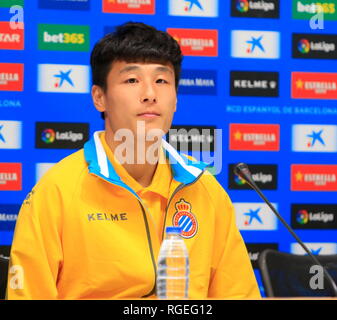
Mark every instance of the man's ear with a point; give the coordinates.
(98, 98)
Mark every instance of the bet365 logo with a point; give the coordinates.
(64, 37)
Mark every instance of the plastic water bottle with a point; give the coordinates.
(173, 267)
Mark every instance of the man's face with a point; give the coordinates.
(137, 92)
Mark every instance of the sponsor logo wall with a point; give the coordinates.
(270, 85)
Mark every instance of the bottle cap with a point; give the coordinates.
(173, 230)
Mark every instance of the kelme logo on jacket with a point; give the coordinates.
(185, 219)
(107, 217)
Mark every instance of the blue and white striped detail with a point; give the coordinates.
(183, 169)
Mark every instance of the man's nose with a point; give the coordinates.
(148, 94)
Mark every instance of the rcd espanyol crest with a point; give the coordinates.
(185, 219)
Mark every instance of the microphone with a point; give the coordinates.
(242, 170)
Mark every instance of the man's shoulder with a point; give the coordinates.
(65, 171)
(209, 180)
(213, 187)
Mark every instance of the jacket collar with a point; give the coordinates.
(183, 170)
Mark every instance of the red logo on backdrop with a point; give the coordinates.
(11, 76)
(254, 137)
(196, 42)
(10, 176)
(313, 177)
(313, 85)
(129, 6)
(11, 39)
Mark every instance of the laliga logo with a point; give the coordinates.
(303, 46)
(242, 5)
(239, 181)
(48, 136)
(302, 217)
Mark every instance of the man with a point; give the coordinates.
(93, 225)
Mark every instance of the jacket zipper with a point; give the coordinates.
(180, 187)
(147, 234)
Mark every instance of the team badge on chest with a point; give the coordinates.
(185, 219)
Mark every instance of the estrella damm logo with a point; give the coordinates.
(129, 6)
(11, 39)
(62, 37)
(185, 219)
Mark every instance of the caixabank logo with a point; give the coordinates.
(196, 42)
(198, 82)
(314, 216)
(314, 85)
(255, 8)
(10, 176)
(193, 8)
(129, 6)
(65, 4)
(306, 9)
(254, 84)
(11, 76)
(8, 216)
(42, 168)
(264, 175)
(254, 137)
(314, 138)
(10, 134)
(255, 44)
(255, 216)
(316, 248)
(314, 46)
(192, 138)
(314, 177)
(61, 37)
(255, 249)
(11, 39)
(61, 135)
(63, 78)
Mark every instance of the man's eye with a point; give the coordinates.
(131, 80)
(161, 81)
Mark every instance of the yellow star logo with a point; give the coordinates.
(299, 176)
(299, 84)
(112, 1)
(237, 135)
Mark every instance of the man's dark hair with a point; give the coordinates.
(134, 42)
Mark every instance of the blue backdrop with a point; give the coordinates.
(246, 62)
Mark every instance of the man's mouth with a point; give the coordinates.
(148, 114)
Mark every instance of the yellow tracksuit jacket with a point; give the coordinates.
(84, 234)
